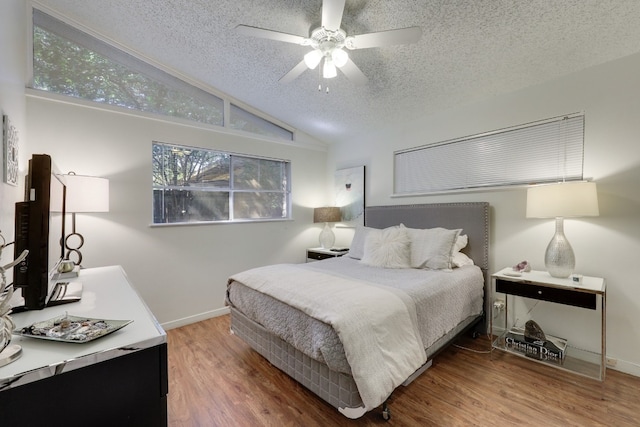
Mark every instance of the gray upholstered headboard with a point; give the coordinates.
(472, 218)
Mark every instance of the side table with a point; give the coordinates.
(317, 254)
(539, 285)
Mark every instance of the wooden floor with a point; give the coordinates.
(215, 379)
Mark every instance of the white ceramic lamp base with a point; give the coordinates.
(559, 258)
(327, 238)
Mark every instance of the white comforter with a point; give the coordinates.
(376, 324)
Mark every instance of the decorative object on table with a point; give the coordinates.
(559, 201)
(533, 332)
(85, 194)
(522, 267)
(66, 266)
(8, 353)
(66, 269)
(349, 192)
(327, 215)
(10, 151)
(72, 329)
(549, 349)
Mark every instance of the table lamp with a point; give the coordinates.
(327, 215)
(85, 194)
(561, 200)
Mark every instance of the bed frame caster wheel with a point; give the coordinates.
(386, 413)
(475, 334)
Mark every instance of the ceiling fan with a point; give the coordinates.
(328, 42)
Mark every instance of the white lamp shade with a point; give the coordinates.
(86, 193)
(329, 69)
(565, 199)
(340, 57)
(312, 59)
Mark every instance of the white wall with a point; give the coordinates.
(180, 271)
(12, 104)
(607, 246)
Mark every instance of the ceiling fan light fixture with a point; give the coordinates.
(329, 69)
(328, 40)
(339, 57)
(313, 58)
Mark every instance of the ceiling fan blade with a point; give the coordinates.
(353, 73)
(269, 34)
(332, 14)
(384, 38)
(294, 73)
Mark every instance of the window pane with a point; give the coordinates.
(187, 167)
(192, 185)
(259, 205)
(258, 174)
(172, 206)
(72, 63)
(243, 120)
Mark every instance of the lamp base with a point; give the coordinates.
(559, 258)
(327, 238)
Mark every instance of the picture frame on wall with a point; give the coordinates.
(10, 152)
(350, 196)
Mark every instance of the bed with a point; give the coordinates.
(353, 328)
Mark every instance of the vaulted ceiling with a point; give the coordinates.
(469, 50)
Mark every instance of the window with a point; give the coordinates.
(70, 62)
(541, 152)
(243, 120)
(192, 185)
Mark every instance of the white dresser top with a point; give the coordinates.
(107, 294)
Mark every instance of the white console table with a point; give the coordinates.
(120, 379)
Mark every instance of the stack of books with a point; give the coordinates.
(553, 349)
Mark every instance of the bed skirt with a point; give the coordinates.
(336, 388)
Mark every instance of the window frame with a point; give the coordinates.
(230, 189)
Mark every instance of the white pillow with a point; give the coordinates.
(461, 243)
(388, 248)
(357, 244)
(460, 260)
(432, 247)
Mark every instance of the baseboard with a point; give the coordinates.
(626, 368)
(195, 318)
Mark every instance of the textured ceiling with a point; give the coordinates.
(469, 50)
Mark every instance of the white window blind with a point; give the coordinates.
(540, 152)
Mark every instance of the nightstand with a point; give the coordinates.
(539, 285)
(317, 254)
